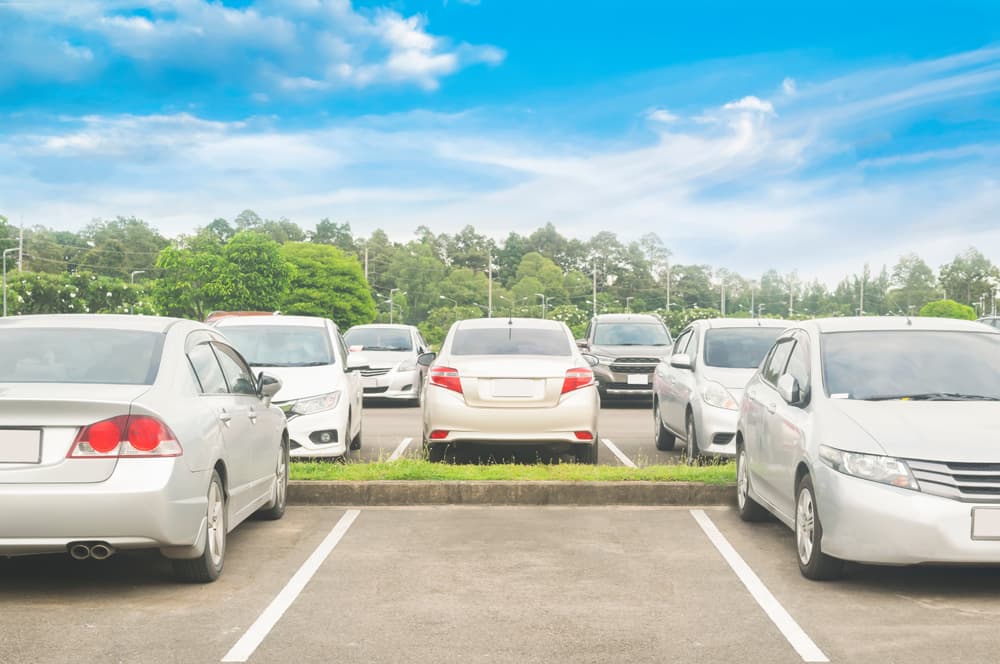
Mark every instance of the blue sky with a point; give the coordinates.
(780, 134)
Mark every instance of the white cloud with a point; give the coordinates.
(788, 86)
(661, 115)
(751, 103)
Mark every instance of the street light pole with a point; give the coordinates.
(132, 276)
(628, 304)
(392, 303)
(5, 252)
(544, 300)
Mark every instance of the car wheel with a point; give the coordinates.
(665, 440)
(587, 453)
(693, 453)
(749, 509)
(813, 563)
(208, 566)
(356, 441)
(276, 509)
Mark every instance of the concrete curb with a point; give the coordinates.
(402, 493)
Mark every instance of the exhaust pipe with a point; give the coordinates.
(79, 551)
(101, 551)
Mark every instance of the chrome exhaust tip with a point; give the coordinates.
(79, 551)
(101, 551)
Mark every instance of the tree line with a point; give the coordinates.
(125, 265)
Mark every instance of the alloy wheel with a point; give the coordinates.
(805, 518)
(216, 524)
(742, 480)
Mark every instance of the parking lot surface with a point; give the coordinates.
(625, 426)
(515, 584)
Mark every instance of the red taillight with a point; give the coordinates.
(445, 377)
(577, 378)
(125, 436)
(583, 435)
(438, 434)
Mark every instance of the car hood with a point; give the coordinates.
(300, 382)
(961, 431)
(631, 351)
(382, 359)
(735, 380)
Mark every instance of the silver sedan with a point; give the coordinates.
(873, 439)
(125, 432)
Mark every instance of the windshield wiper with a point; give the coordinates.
(932, 396)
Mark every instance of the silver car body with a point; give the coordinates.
(392, 375)
(679, 394)
(319, 433)
(626, 366)
(511, 399)
(51, 501)
(946, 445)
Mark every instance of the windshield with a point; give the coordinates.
(511, 341)
(281, 345)
(914, 364)
(631, 334)
(99, 356)
(379, 338)
(739, 348)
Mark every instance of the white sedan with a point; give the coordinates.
(514, 382)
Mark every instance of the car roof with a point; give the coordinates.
(884, 323)
(624, 318)
(382, 326)
(97, 321)
(270, 320)
(717, 323)
(502, 322)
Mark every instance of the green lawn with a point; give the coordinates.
(410, 469)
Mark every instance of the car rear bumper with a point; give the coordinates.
(615, 383)
(306, 431)
(146, 503)
(395, 385)
(870, 522)
(445, 410)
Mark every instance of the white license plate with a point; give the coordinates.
(20, 446)
(513, 387)
(638, 379)
(986, 523)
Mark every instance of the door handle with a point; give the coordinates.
(253, 416)
(225, 417)
(771, 408)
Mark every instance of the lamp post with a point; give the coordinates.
(628, 304)
(391, 303)
(132, 276)
(5, 252)
(544, 301)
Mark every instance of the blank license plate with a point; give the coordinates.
(513, 388)
(986, 523)
(638, 379)
(20, 446)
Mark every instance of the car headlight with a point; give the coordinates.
(316, 404)
(604, 359)
(716, 395)
(876, 468)
(407, 365)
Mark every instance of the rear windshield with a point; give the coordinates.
(511, 341)
(281, 345)
(75, 355)
(379, 338)
(631, 334)
(739, 348)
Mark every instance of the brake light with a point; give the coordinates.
(438, 434)
(125, 436)
(577, 378)
(445, 377)
(583, 435)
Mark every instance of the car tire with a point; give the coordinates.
(692, 451)
(276, 509)
(356, 441)
(813, 563)
(749, 509)
(665, 441)
(208, 566)
(587, 453)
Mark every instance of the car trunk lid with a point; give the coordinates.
(522, 381)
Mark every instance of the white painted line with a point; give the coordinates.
(398, 452)
(796, 636)
(618, 453)
(258, 631)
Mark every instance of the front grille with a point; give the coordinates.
(368, 373)
(635, 365)
(626, 386)
(968, 482)
(723, 438)
(376, 390)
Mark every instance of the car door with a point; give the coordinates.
(766, 393)
(786, 433)
(253, 443)
(673, 400)
(352, 380)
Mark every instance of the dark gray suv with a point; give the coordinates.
(629, 347)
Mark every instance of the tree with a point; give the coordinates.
(418, 271)
(253, 275)
(220, 229)
(913, 284)
(948, 309)
(330, 232)
(120, 246)
(186, 287)
(547, 277)
(969, 277)
(327, 282)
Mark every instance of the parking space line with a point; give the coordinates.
(398, 452)
(259, 630)
(618, 453)
(795, 635)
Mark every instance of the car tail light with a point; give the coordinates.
(445, 377)
(577, 378)
(438, 434)
(583, 435)
(125, 436)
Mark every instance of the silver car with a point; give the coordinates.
(874, 440)
(391, 352)
(126, 432)
(511, 381)
(628, 348)
(697, 389)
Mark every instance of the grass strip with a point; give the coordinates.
(413, 469)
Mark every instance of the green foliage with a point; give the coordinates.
(253, 275)
(948, 309)
(327, 282)
(439, 321)
(678, 319)
(574, 317)
(969, 277)
(79, 293)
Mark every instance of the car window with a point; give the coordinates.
(207, 370)
(379, 338)
(511, 341)
(680, 347)
(237, 373)
(775, 366)
(631, 334)
(281, 345)
(739, 348)
(798, 365)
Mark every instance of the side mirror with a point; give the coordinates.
(582, 344)
(357, 362)
(425, 359)
(591, 359)
(788, 388)
(267, 386)
(680, 361)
